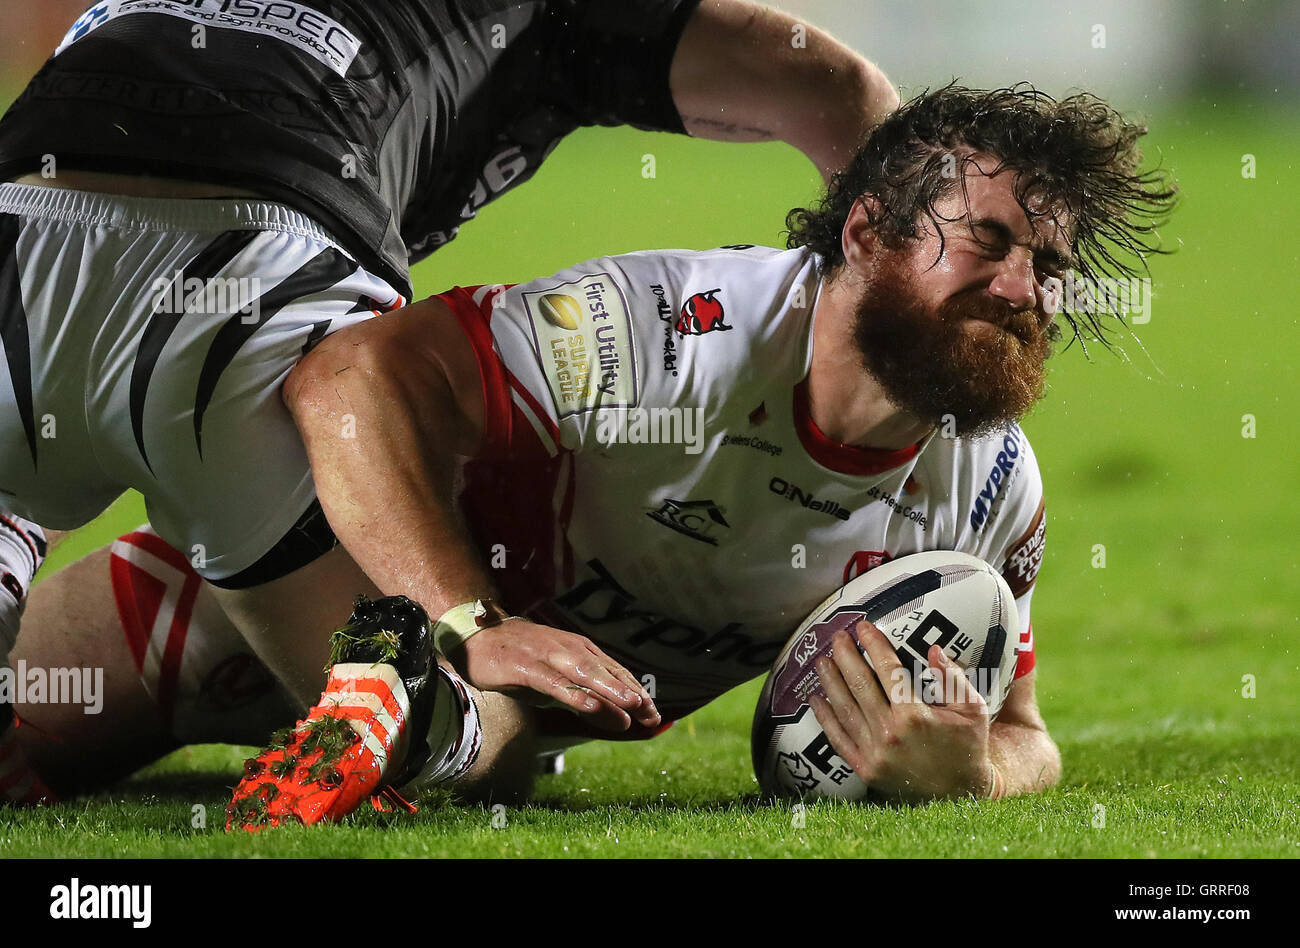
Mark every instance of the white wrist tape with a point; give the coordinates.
(461, 623)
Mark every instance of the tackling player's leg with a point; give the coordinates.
(71, 622)
(176, 670)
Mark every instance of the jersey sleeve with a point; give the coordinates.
(1017, 534)
(1020, 569)
(609, 60)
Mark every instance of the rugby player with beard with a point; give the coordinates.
(193, 194)
(881, 364)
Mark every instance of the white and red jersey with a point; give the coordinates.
(651, 476)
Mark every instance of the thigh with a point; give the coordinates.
(202, 431)
(145, 342)
(47, 467)
(168, 667)
(71, 622)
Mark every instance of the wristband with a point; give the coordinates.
(461, 623)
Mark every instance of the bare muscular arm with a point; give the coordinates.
(385, 407)
(744, 72)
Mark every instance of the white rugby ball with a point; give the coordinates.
(938, 597)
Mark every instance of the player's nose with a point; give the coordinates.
(1014, 282)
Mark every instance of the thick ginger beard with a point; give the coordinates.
(934, 362)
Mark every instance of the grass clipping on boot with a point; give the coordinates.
(364, 636)
(313, 749)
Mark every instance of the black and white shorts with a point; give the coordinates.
(145, 343)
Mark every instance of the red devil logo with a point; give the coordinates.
(700, 314)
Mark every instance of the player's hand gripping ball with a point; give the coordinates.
(953, 600)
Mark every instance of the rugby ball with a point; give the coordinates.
(952, 599)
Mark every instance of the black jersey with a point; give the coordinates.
(389, 121)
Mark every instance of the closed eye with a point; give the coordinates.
(1051, 262)
(995, 240)
(993, 237)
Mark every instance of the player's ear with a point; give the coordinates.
(859, 239)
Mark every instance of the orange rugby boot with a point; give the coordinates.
(366, 734)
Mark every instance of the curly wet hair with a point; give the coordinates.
(1077, 152)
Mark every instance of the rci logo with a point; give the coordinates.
(695, 518)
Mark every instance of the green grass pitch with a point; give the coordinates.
(1143, 664)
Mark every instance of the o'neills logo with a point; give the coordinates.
(790, 492)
